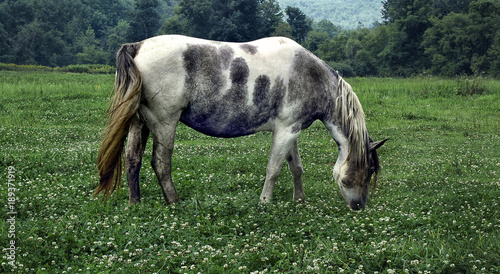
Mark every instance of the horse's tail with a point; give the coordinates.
(123, 107)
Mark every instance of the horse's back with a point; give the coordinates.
(173, 51)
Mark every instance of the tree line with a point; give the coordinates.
(440, 37)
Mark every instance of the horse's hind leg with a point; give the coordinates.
(295, 166)
(136, 143)
(163, 147)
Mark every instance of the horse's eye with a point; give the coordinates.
(372, 170)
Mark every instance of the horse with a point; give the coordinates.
(227, 90)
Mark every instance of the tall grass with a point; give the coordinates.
(435, 208)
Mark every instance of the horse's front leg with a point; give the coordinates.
(282, 142)
(136, 143)
(295, 166)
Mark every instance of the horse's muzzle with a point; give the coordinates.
(357, 205)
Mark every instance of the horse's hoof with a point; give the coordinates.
(134, 201)
(172, 200)
(300, 200)
(265, 200)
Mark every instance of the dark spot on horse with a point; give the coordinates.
(261, 91)
(204, 65)
(277, 94)
(239, 71)
(289, 158)
(266, 98)
(309, 76)
(235, 98)
(204, 82)
(226, 54)
(249, 49)
(309, 86)
(234, 110)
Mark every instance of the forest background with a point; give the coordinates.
(412, 37)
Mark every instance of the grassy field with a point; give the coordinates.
(436, 208)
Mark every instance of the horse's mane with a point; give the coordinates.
(351, 119)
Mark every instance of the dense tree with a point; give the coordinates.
(91, 52)
(176, 24)
(409, 20)
(445, 7)
(38, 35)
(5, 49)
(283, 29)
(321, 31)
(298, 22)
(117, 37)
(14, 14)
(485, 19)
(271, 16)
(494, 55)
(448, 44)
(462, 43)
(194, 18)
(445, 37)
(314, 39)
(46, 31)
(234, 20)
(145, 20)
(359, 52)
(327, 27)
(333, 50)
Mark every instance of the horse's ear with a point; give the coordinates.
(376, 145)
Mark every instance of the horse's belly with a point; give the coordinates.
(226, 123)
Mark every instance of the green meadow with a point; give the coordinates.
(435, 209)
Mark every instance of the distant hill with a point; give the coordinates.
(344, 13)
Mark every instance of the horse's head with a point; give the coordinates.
(353, 176)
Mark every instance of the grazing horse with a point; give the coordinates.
(230, 90)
